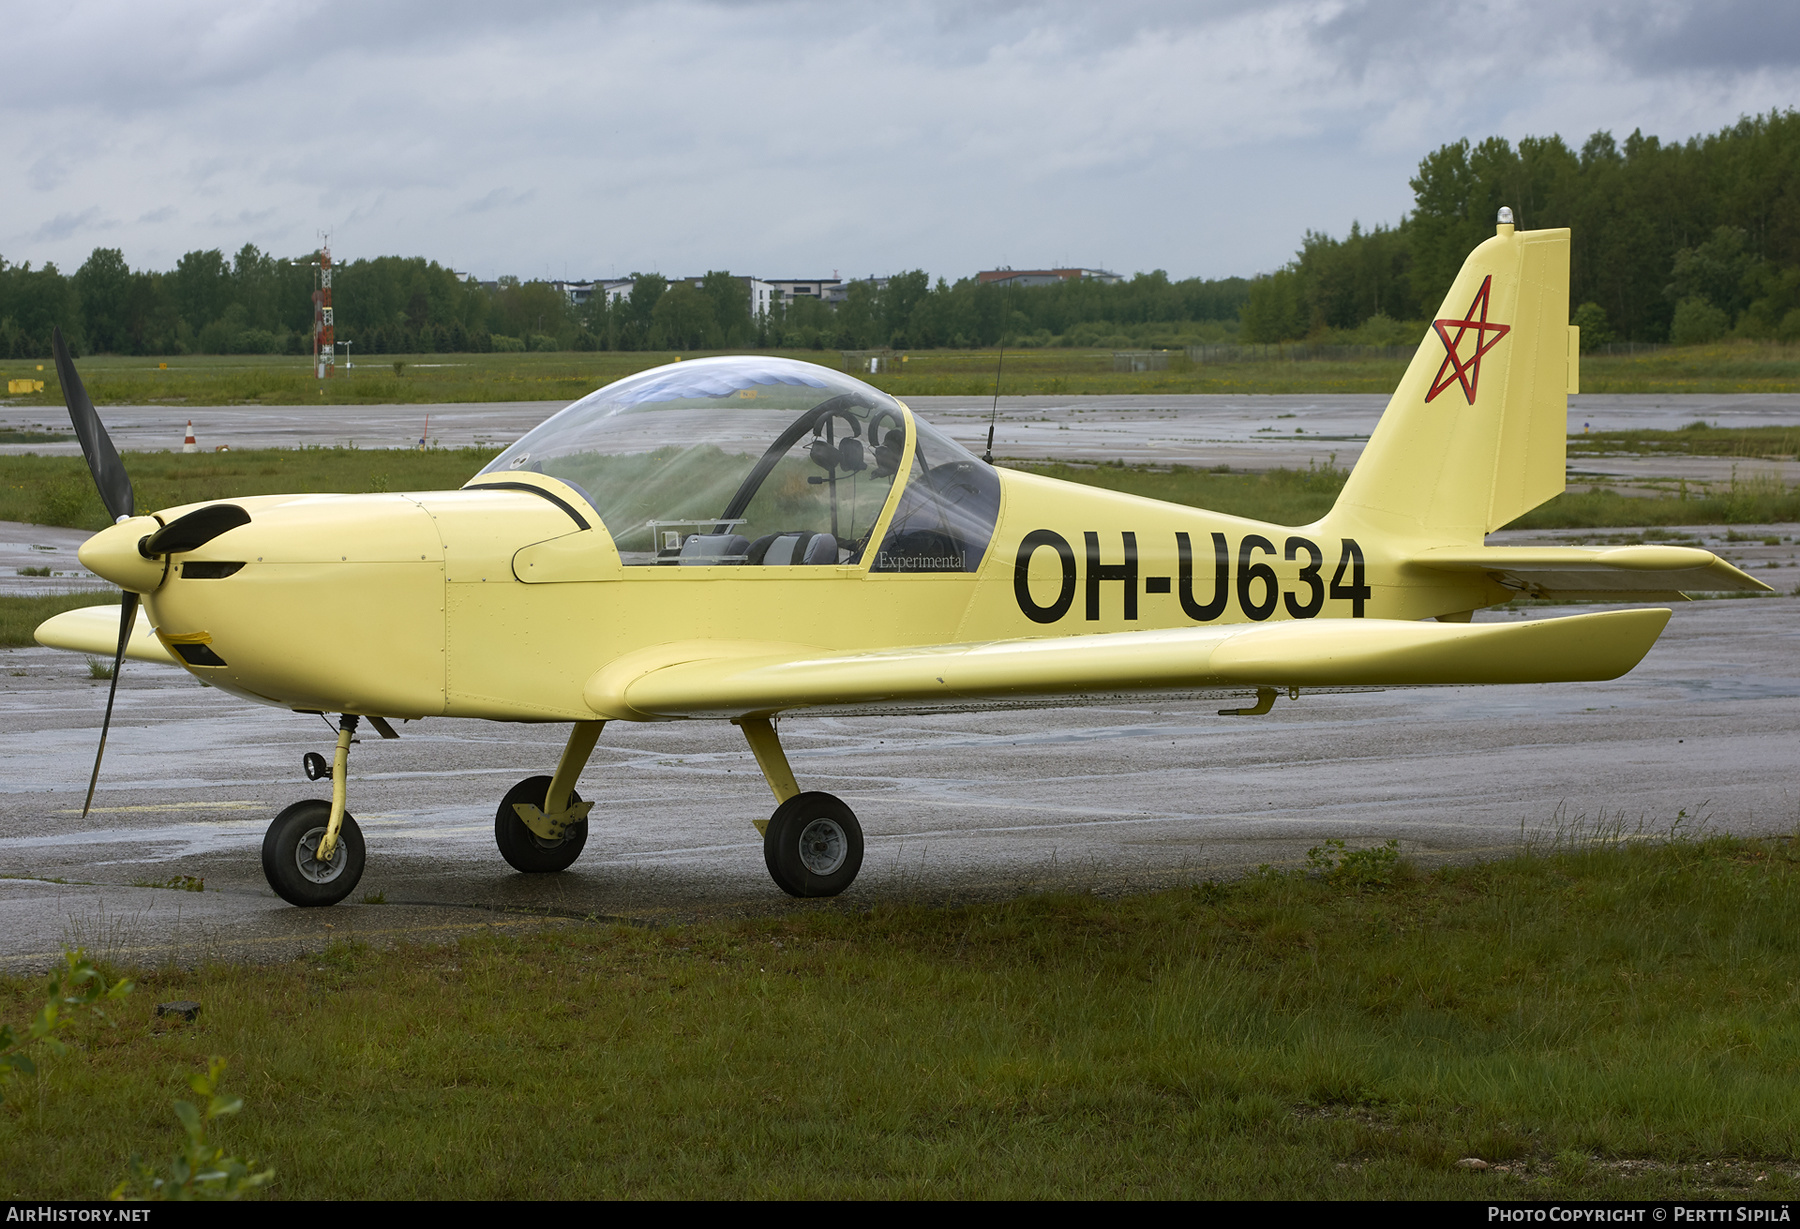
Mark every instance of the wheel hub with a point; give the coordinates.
(823, 846)
(306, 857)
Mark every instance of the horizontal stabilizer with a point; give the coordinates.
(95, 629)
(1301, 653)
(1641, 573)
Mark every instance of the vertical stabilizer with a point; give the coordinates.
(1476, 434)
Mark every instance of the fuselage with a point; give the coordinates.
(505, 601)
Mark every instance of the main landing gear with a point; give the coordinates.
(541, 825)
(313, 853)
(812, 845)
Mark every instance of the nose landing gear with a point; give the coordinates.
(313, 854)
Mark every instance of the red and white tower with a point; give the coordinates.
(324, 332)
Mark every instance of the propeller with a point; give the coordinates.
(102, 458)
(115, 492)
(182, 534)
(127, 617)
(191, 532)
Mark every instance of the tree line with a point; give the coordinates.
(256, 303)
(1684, 242)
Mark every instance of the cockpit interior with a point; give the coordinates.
(764, 462)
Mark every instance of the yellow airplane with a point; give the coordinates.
(740, 538)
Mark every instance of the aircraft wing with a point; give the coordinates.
(734, 679)
(95, 629)
(1618, 573)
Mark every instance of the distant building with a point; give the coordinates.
(582, 292)
(1045, 277)
(762, 293)
(825, 289)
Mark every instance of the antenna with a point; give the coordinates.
(324, 327)
(988, 456)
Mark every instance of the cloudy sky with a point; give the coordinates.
(796, 138)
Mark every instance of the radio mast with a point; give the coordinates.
(324, 332)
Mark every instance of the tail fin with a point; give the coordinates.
(1477, 432)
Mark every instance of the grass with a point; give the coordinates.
(1298, 497)
(1695, 440)
(1754, 499)
(1280, 496)
(1722, 367)
(1608, 1020)
(19, 616)
(58, 490)
(195, 380)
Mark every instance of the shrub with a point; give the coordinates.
(1376, 867)
(1696, 323)
(201, 1170)
(1590, 318)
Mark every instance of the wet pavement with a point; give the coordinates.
(39, 559)
(956, 808)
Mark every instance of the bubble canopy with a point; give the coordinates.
(736, 460)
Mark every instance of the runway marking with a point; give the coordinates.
(149, 807)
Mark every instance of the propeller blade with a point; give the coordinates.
(102, 458)
(127, 620)
(195, 530)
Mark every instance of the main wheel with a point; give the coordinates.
(813, 845)
(524, 849)
(291, 864)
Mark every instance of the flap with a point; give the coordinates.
(95, 629)
(1303, 653)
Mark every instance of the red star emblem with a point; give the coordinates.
(1455, 369)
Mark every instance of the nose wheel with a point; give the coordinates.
(313, 854)
(291, 862)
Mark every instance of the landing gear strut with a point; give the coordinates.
(313, 854)
(812, 845)
(541, 825)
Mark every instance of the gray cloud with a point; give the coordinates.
(1724, 35)
(63, 225)
(802, 136)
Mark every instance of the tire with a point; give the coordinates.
(296, 877)
(523, 849)
(813, 845)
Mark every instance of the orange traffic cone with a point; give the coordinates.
(188, 445)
